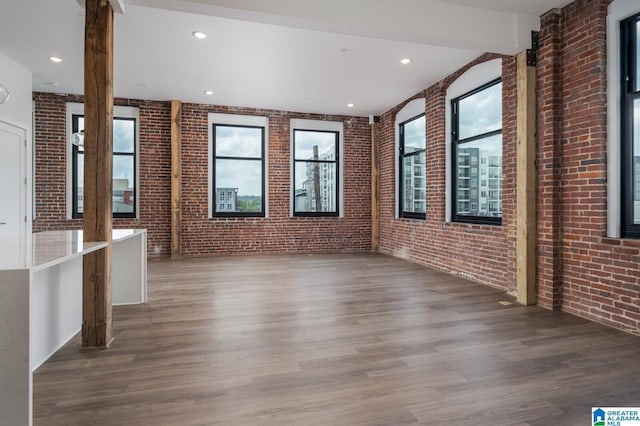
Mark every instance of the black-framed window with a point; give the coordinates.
(476, 135)
(316, 172)
(238, 170)
(630, 122)
(124, 191)
(412, 171)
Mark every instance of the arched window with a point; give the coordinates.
(474, 148)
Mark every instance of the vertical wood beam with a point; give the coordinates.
(97, 328)
(526, 182)
(176, 178)
(375, 185)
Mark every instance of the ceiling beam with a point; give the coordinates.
(429, 22)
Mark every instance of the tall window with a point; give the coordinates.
(315, 171)
(238, 170)
(124, 167)
(630, 132)
(412, 168)
(477, 151)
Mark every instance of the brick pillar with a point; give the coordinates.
(549, 218)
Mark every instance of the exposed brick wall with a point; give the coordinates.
(201, 235)
(154, 172)
(579, 269)
(278, 232)
(600, 277)
(549, 215)
(482, 253)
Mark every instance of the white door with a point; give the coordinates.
(13, 191)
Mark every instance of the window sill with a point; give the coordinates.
(470, 226)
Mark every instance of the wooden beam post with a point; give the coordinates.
(97, 329)
(176, 178)
(526, 182)
(375, 185)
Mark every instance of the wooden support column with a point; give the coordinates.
(98, 158)
(526, 181)
(176, 178)
(375, 185)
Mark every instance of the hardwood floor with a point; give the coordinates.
(348, 339)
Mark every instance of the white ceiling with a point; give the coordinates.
(303, 55)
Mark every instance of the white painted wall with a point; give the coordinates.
(17, 79)
(18, 111)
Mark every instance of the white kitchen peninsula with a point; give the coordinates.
(41, 303)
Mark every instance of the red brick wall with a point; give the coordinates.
(481, 253)
(579, 269)
(549, 217)
(591, 276)
(154, 169)
(279, 232)
(201, 235)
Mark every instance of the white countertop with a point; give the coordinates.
(123, 234)
(49, 248)
(53, 247)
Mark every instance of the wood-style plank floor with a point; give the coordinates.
(348, 339)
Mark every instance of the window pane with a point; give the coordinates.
(80, 128)
(638, 55)
(123, 135)
(123, 192)
(414, 184)
(80, 187)
(481, 112)
(482, 157)
(414, 135)
(315, 187)
(234, 141)
(636, 161)
(239, 184)
(315, 145)
(123, 183)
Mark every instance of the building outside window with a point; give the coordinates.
(124, 186)
(630, 132)
(238, 169)
(412, 168)
(315, 171)
(477, 151)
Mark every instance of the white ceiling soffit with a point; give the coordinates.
(434, 22)
(116, 5)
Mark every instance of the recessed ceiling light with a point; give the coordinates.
(350, 105)
(208, 92)
(199, 34)
(405, 61)
(55, 59)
